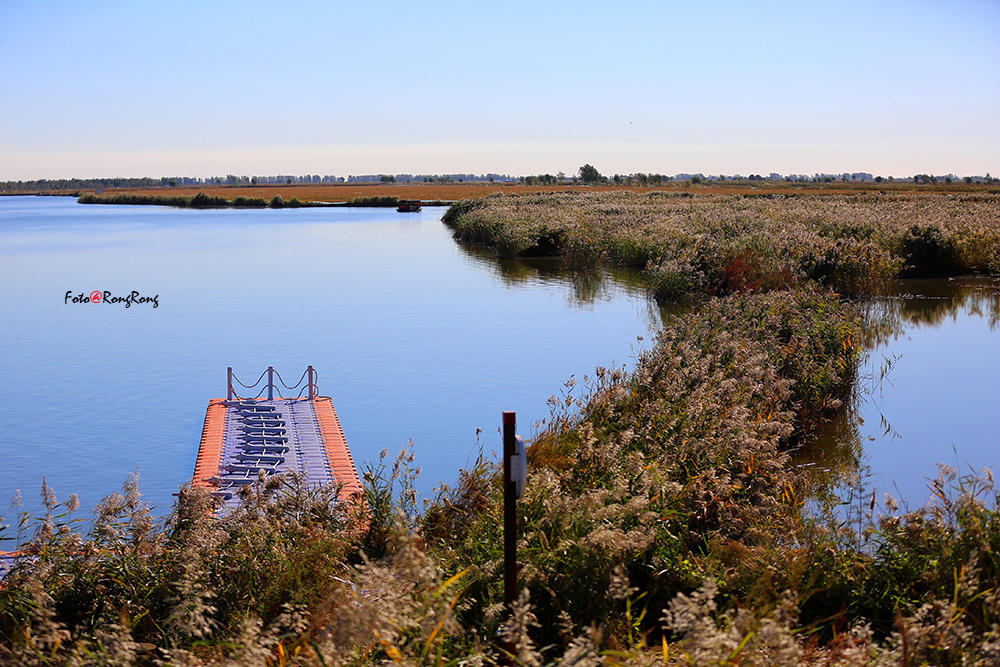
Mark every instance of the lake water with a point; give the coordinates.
(413, 335)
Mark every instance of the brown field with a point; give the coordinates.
(339, 192)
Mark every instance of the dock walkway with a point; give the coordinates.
(245, 438)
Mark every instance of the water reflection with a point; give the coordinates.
(929, 302)
(929, 390)
(835, 453)
(602, 283)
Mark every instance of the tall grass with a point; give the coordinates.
(717, 244)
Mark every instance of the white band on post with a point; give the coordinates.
(519, 467)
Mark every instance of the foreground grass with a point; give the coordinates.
(663, 522)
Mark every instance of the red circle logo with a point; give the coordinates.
(95, 297)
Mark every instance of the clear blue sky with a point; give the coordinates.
(91, 89)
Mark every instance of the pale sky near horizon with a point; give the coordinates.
(101, 89)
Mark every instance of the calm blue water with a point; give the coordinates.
(413, 336)
(940, 401)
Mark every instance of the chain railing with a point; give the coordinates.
(307, 383)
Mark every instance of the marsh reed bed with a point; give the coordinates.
(663, 523)
(691, 245)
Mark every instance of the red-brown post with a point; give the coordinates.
(509, 513)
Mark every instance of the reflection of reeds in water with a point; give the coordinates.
(602, 282)
(929, 302)
(836, 453)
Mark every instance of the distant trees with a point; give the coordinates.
(80, 184)
(76, 184)
(423, 178)
(540, 179)
(641, 179)
(587, 174)
(590, 175)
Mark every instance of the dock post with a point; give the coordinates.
(509, 513)
(229, 383)
(270, 383)
(312, 387)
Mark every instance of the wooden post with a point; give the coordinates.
(509, 513)
(312, 387)
(270, 383)
(229, 383)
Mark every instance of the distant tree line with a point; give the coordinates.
(431, 178)
(79, 184)
(543, 179)
(71, 184)
(641, 179)
(587, 174)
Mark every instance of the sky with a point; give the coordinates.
(103, 89)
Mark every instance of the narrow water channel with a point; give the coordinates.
(929, 392)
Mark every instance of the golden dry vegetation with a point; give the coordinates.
(340, 192)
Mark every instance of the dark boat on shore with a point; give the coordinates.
(408, 206)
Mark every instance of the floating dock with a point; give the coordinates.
(246, 438)
(7, 560)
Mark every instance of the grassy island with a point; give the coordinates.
(204, 200)
(200, 200)
(664, 521)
